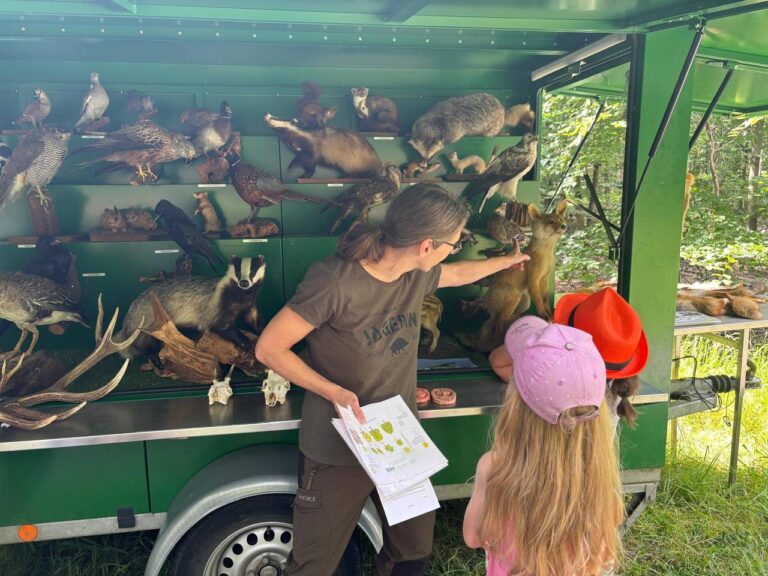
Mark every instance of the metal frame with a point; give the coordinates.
(743, 327)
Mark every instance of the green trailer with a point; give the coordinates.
(220, 479)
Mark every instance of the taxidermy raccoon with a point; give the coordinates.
(337, 148)
(375, 113)
(311, 113)
(446, 122)
(199, 303)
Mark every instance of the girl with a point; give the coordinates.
(617, 332)
(547, 498)
(360, 311)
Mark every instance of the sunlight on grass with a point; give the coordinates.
(708, 434)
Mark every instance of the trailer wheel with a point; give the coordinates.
(251, 537)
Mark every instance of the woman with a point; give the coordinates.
(360, 312)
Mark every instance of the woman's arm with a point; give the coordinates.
(475, 506)
(273, 349)
(468, 271)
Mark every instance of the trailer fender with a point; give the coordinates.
(263, 469)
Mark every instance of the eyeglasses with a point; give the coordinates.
(455, 248)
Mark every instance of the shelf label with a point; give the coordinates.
(93, 274)
(26, 246)
(254, 240)
(92, 136)
(383, 137)
(220, 185)
(168, 251)
(335, 185)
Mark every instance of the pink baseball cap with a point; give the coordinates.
(556, 367)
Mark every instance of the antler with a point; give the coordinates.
(5, 375)
(16, 412)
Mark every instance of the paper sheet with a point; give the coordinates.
(415, 501)
(391, 446)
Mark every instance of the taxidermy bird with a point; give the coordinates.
(94, 105)
(142, 104)
(33, 164)
(37, 110)
(199, 117)
(184, 232)
(141, 146)
(260, 189)
(53, 261)
(508, 167)
(362, 197)
(30, 301)
(215, 133)
(503, 230)
(5, 155)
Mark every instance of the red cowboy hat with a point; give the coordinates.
(615, 328)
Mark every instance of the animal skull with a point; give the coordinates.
(275, 388)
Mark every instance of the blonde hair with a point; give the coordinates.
(556, 490)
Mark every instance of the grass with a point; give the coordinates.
(698, 526)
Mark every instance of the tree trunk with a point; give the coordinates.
(596, 183)
(711, 145)
(755, 166)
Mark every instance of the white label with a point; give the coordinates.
(222, 185)
(94, 274)
(92, 136)
(168, 251)
(26, 246)
(253, 240)
(335, 185)
(383, 137)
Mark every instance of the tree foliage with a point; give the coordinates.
(717, 243)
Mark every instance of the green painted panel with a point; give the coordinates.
(172, 463)
(645, 446)
(651, 256)
(9, 105)
(72, 483)
(298, 255)
(462, 440)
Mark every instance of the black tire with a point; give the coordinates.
(254, 534)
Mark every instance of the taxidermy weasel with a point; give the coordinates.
(204, 207)
(521, 115)
(460, 164)
(375, 113)
(511, 291)
(431, 310)
(344, 150)
(200, 303)
(311, 113)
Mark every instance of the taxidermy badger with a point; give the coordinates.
(446, 122)
(200, 303)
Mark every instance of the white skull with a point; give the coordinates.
(275, 387)
(220, 391)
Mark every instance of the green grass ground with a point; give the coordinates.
(698, 526)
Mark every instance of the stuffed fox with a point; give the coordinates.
(511, 291)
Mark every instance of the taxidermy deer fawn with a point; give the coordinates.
(511, 291)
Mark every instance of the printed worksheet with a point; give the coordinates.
(392, 446)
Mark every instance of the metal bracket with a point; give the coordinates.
(639, 502)
(122, 5)
(401, 11)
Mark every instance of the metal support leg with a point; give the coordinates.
(739, 404)
(673, 423)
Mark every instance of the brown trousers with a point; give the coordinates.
(326, 509)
